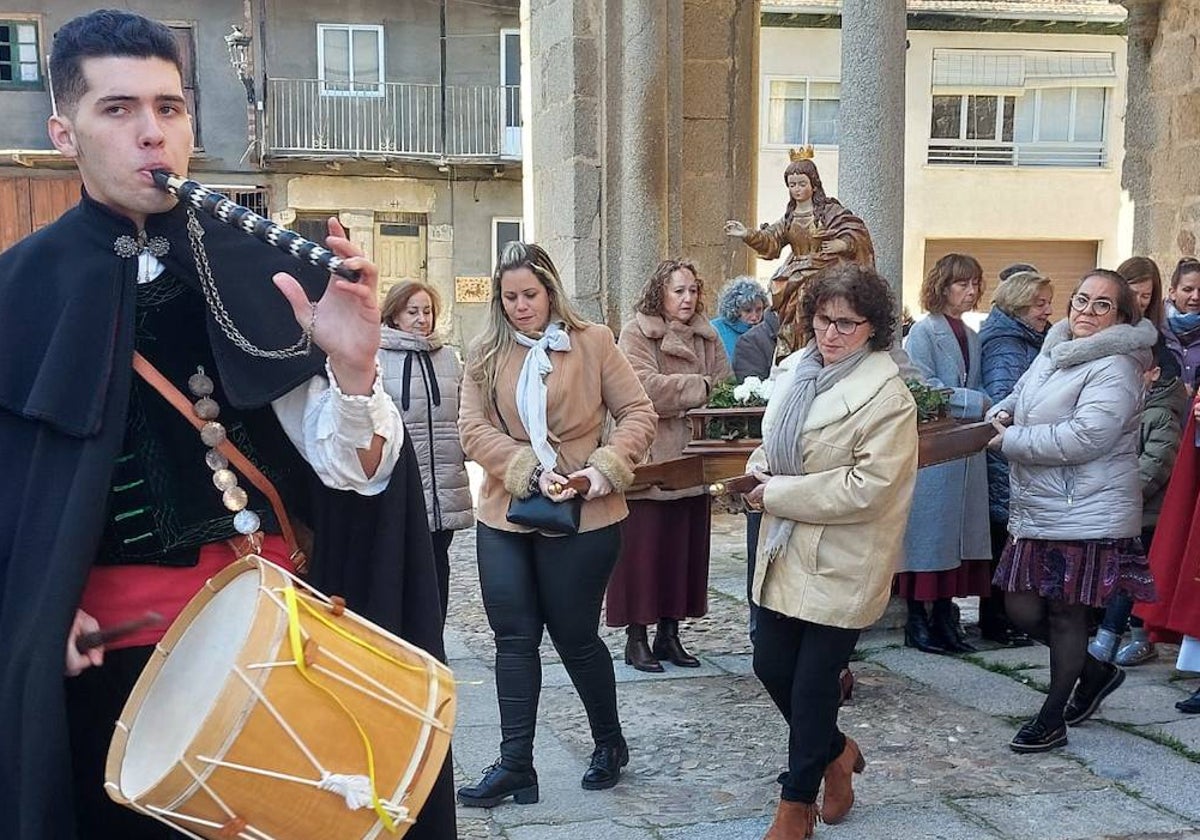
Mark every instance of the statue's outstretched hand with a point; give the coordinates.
(735, 228)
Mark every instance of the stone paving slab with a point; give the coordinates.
(972, 686)
(1080, 815)
(591, 830)
(1186, 730)
(1143, 704)
(1035, 656)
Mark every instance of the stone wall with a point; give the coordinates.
(1162, 169)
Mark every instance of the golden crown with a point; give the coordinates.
(803, 153)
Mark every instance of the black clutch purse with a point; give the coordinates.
(539, 512)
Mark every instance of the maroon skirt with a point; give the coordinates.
(663, 568)
(971, 577)
(1076, 571)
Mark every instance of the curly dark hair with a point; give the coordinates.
(863, 290)
(651, 301)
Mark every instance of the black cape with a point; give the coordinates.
(66, 345)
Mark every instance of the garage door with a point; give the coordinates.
(1064, 262)
(27, 204)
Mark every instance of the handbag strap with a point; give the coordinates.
(181, 404)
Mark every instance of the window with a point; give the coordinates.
(350, 59)
(802, 112)
(185, 38)
(1036, 108)
(503, 232)
(19, 65)
(510, 92)
(314, 225)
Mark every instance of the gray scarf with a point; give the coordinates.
(784, 447)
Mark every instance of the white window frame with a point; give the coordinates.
(510, 135)
(1037, 115)
(496, 220)
(765, 116)
(350, 29)
(997, 135)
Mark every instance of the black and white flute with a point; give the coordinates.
(246, 220)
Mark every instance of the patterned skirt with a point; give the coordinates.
(1076, 571)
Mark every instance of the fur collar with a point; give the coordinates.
(675, 339)
(1121, 339)
(391, 338)
(849, 395)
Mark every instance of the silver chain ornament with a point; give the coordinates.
(303, 345)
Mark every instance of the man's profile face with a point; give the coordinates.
(131, 120)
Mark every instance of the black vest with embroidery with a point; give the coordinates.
(162, 505)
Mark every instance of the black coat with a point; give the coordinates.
(66, 345)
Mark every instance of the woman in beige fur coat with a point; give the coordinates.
(662, 576)
(539, 386)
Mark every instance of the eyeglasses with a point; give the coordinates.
(844, 326)
(1099, 306)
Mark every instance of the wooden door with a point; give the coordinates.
(399, 253)
(29, 204)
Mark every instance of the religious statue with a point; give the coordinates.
(819, 231)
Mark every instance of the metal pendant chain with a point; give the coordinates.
(303, 345)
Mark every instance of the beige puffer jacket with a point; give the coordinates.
(423, 378)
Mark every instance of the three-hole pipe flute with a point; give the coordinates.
(246, 220)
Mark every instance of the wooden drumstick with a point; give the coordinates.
(579, 484)
(86, 641)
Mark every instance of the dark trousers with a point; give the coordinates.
(798, 662)
(94, 702)
(441, 565)
(530, 581)
(753, 524)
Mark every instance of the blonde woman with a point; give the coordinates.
(540, 383)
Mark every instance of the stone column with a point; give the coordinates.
(564, 141)
(1141, 129)
(636, 143)
(871, 125)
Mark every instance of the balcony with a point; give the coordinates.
(307, 118)
(998, 153)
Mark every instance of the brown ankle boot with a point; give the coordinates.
(637, 651)
(793, 821)
(839, 787)
(667, 645)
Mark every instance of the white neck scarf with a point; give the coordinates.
(531, 387)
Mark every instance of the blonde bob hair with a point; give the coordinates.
(497, 339)
(398, 297)
(1017, 293)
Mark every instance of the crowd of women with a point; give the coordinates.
(1054, 524)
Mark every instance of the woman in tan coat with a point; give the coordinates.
(837, 468)
(662, 576)
(540, 383)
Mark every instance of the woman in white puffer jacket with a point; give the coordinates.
(1075, 511)
(424, 378)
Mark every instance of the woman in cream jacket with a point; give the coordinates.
(837, 468)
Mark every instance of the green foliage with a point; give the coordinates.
(721, 396)
(932, 403)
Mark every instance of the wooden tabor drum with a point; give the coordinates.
(229, 734)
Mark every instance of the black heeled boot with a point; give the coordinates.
(917, 633)
(604, 770)
(499, 783)
(667, 645)
(947, 631)
(637, 650)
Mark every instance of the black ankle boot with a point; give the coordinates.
(917, 633)
(604, 770)
(947, 631)
(667, 645)
(499, 783)
(1098, 680)
(637, 651)
(1190, 706)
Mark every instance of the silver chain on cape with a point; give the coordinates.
(303, 345)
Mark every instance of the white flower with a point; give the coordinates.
(743, 392)
(765, 389)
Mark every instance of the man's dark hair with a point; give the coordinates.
(101, 34)
(1016, 268)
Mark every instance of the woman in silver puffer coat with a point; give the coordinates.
(1075, 504)
(423, 378)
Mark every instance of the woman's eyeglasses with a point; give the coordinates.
(844, 326)
(1098, 306)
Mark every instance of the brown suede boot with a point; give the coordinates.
(839, 788)
(793, 821)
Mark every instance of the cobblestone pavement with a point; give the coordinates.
(706, 744)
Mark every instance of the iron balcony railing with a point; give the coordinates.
(994, 153)
(308, 117)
